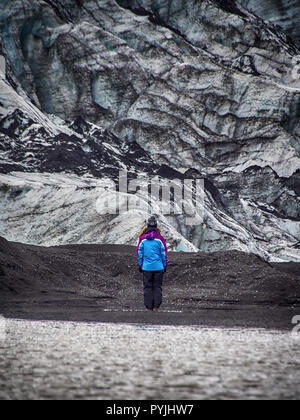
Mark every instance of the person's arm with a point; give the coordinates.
(165, 252)
(141, 238)
(138, 247)
(141, 254)
(164, 256)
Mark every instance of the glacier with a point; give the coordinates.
(167, 88)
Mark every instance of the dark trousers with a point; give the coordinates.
(153, 281)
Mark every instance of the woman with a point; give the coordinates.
(153, 261)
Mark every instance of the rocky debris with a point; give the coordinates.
(46, 283)
(86, 150)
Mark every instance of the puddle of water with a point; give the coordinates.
(66, 360)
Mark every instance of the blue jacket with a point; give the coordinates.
(152, 252)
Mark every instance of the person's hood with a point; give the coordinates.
(152, 235)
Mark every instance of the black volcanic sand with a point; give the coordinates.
(101, 283)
